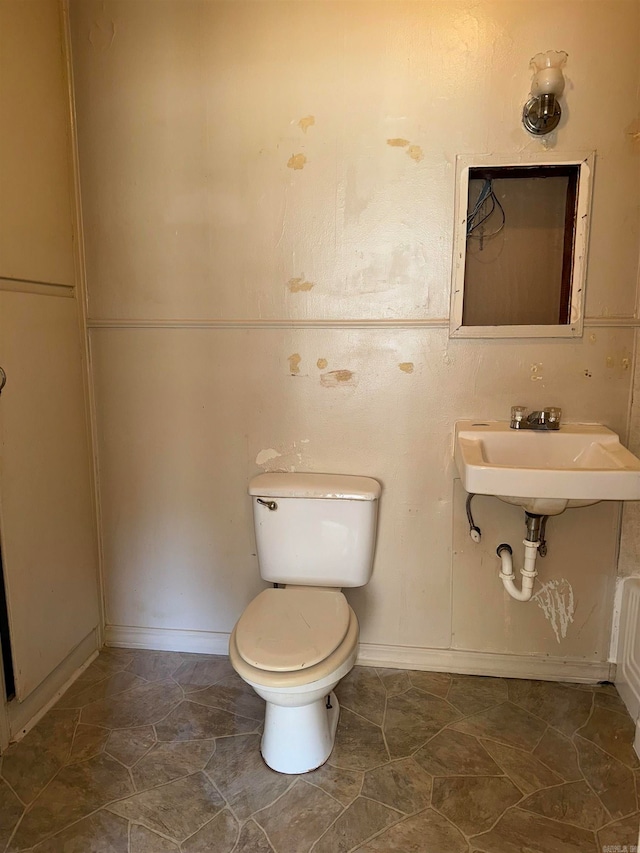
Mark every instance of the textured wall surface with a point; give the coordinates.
(245, 165)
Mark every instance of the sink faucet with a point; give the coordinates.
(544, 419)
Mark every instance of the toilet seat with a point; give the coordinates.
(289, 630)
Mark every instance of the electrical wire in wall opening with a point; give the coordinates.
(486, 205)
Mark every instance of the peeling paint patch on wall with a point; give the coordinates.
(102, 34)
(297, 161)
(306, 122)
(415, 152)
(322, 363)
(294, 363)
(338, 377)
(406, 366)
(296, 285)
(398, 142)
(555, 599)
(266, 456)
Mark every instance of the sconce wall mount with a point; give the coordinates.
(542, 112)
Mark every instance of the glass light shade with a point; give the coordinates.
(548, 79)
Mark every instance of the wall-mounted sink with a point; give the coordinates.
(545, 472)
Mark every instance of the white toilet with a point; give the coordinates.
(315, 533)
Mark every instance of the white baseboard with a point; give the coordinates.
(23, 716)
(167, 640)
(371, 654)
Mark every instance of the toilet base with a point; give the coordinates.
(299, 739)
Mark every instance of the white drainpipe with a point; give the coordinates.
(528, 572)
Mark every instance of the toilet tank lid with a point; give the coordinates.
(328, 486)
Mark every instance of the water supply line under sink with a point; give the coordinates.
(535, 541)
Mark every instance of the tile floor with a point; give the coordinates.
(157, 752)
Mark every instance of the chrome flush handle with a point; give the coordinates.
(272, 505)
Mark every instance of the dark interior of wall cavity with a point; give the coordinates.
(519, 251)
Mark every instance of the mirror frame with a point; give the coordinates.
(573, 329)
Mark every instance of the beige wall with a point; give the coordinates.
(217, 211)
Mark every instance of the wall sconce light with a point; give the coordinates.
(541, 113)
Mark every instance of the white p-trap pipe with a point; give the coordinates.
(528, 572)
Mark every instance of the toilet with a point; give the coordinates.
(315, 533)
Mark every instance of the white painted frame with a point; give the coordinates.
(573, 329)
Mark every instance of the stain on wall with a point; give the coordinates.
(406, 366)
(294, 363)
(299, 285)
(338, 378)
(306, 122)
(296, 162)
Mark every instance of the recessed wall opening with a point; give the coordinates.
(520, 238)
(520, 246)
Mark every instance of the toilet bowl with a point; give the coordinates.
(302, 711)
(315, 533)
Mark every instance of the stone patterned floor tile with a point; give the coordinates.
(452, 739)
(217, 836)
(192, 721)
(242, 777)
(437, 683)
(571, 802)
(427, 832)
(471, 694)
(611, 702)
(87, 742)
(343, 785)
(10, 812)
(252, 840)
(362, 819)
(505, 723)
(620, 834)
(610, 779)
(363, 692)
(112, 658)
(401, 785)
(525, 771)
(155, 666)
(30, 764)
(455, 754)
(359, 744)
(99, 833)
(91, 675)
(112, 685)
(394, 681)
(76, 791)
(518, 831)
(177, 809)
(301, 815)
(558, 752)
(612, 732)
(473, 803)
(560, 706)
(143, 840)
(129, 745)
(234, 695)
(143, 705)
(196, 672)
(413, 718)
(168, 761)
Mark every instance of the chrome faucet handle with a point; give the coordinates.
(554, 415)
(517, 416)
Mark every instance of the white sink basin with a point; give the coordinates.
(545, 471)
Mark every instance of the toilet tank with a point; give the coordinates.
(315, 529)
